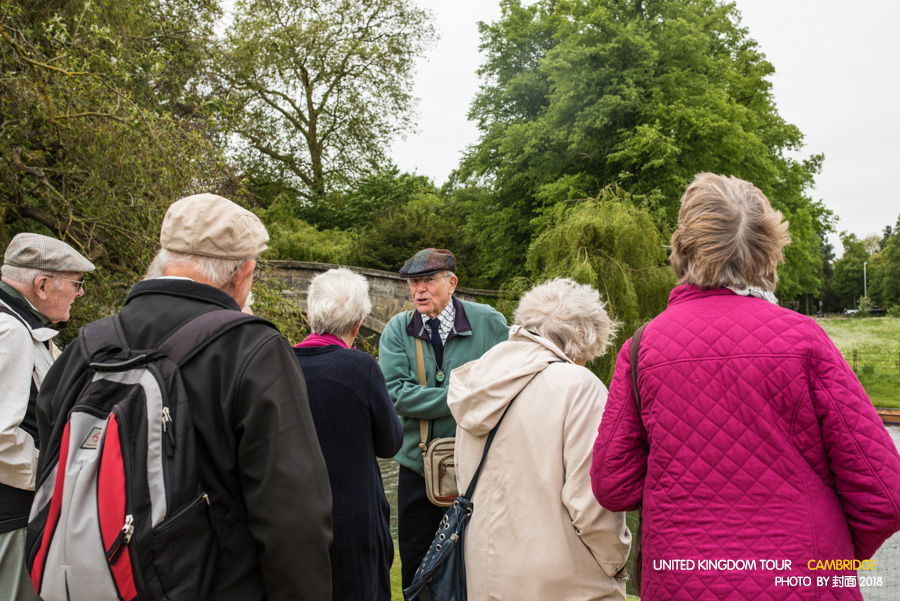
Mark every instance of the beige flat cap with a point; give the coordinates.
(212, 226)
(34, 251)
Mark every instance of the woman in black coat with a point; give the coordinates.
(355, 422)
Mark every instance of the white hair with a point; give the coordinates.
(336, 301)
(446, 274)
(569, 314)
(217, 272)
(27, 275)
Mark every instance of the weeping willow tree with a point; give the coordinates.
(611, 243)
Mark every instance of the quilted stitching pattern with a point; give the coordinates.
(762, 445)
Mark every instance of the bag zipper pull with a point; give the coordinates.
(122, 540)
(166, 420)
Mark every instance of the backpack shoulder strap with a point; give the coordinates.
(106, 331)
(194, 335)
(635, 346)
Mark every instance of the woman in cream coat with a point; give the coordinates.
(536, 530)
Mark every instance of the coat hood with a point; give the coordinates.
(480, 390)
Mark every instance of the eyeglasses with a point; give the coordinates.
(79, 283)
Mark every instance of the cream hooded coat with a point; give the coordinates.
(536, 530)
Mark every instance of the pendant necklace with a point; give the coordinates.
(439, 376)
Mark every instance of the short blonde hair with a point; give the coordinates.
(569, 314)
(728, 234)
(337, 300)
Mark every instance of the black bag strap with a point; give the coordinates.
(636, 547)
(8, 311)
(106, 331)
(180, 345)
(635, 346)
(193, 336)
(490, 439)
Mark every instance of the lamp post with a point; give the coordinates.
(865, 288)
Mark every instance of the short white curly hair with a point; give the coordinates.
(336, 301)
(569, 314)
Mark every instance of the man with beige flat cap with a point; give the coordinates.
(41, 278)
(258, 452)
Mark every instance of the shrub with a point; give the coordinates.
(292, 239)
(864, 304)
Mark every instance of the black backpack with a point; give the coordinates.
(120, 512)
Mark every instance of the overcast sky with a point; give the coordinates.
(837, 77)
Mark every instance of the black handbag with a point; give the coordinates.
(442, 575)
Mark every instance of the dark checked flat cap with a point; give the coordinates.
(427, 262)
(34, 251)
(212, 226)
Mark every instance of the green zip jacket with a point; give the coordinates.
(476, 329)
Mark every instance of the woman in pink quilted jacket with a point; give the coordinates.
(761, 467)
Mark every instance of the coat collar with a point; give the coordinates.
(16, 301)
(517, 332)
(184, 289)
(38, 330)
(461, 326)
(686, 292)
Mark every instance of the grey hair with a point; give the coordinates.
(728, 234)
(446, 274)
(569, 314)
(217, 272)
(336, 301)
(27, 275)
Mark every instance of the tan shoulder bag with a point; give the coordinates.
(437, 456)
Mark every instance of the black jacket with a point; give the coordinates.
(355, 421)
(260, 459)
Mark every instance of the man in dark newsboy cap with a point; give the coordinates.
(41, 278)
(453, 332)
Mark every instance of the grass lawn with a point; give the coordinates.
(396, 588)
(876, 344)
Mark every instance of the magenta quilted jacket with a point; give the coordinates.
(761, 447)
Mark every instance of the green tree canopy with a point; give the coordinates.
(103, 127)
(885, 281)
(848, 270)
(613, 245)
(318, 88)
(580, 94)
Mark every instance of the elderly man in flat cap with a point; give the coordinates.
(41, 279)
(258, 452)
(453, 332)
